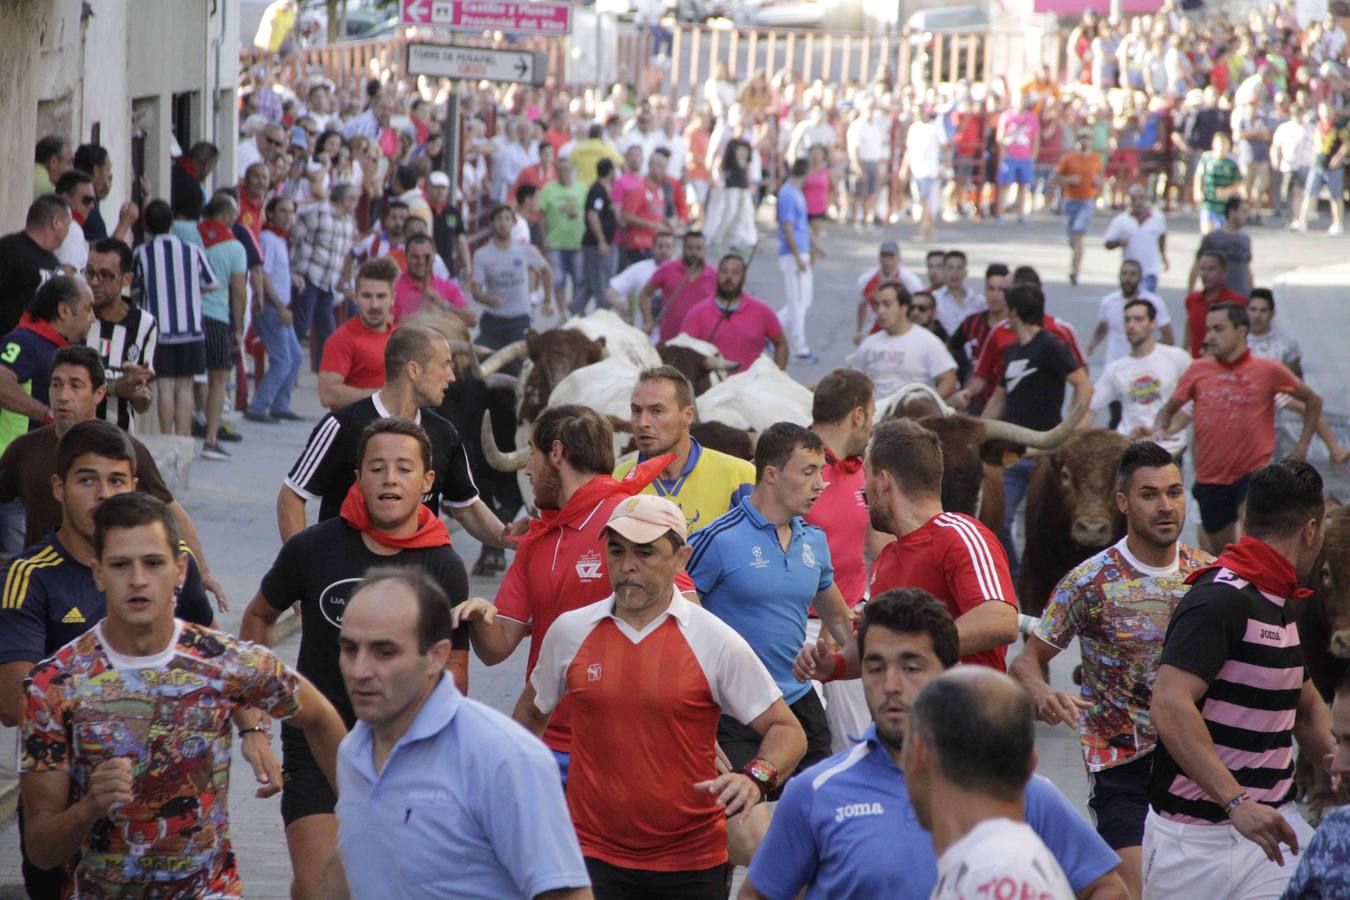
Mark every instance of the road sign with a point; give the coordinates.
(477, 63)
(489, 15)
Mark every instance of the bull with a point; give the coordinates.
(1071, 511)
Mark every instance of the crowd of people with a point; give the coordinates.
(797, 663)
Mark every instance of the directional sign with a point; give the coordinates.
(477, 63)
(489, 15)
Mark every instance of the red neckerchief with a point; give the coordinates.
(79, 219)
(847, 466)
(584, 499)
(284, 235)
(214, 232)
(190, 167)
(43, 328)
(431, 531)
(1256, 561)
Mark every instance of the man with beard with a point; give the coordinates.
(650, 673)
(760, 568)
(353, 358)
(560, 562)
(704, 483)
(1118, 604)
(950, 555)
(682, 284)
(737, 324)
(846, 829)
(124, 334)
(420, 287)
(383, 522)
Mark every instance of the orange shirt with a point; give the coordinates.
(1088, 168)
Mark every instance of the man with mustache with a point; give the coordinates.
(1118, 604)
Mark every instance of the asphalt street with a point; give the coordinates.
(233, 503)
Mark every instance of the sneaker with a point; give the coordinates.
(286, 415)
(260, 417)
(227, 432)
(198, 428)
(1298, 226)
(1335, 230)
(1073, 278)
(215, 452)
(805, 358)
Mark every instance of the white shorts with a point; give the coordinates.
(845, 705)
(1199, 861)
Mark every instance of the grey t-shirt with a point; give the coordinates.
(1236, 250)
(505, 274)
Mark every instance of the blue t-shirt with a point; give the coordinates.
(792, 214)
(227, 259)
(745, 578)
(1323, 871)
(845, 828)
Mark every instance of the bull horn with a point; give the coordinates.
(504, 357)
(918, 387)
(485, 352)
(502, 462)
(996, 430)
(720, 364)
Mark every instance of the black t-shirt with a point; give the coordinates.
(1034, 376)
(735, 175)
(23, 267)
(597, 201)
(319, 568)
(326, 468)
(447, 226)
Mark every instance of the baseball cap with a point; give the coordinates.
(890, 247)
(438, 179)
(645, 518)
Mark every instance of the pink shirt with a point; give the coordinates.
(1022, 128)
(740, 337)
(408, 295)
(816, 189)
(678, 294)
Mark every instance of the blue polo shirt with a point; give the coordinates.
(845, 828)
(792, 216)
(468, 804)
(745, 578)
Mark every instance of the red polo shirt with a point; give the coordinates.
(648, 201)
(1197, 307)
(841, 512)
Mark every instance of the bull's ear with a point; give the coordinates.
(1011, 457)
(601, 341)
(1001, 453)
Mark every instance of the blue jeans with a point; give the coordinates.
(1015, 480)
(597, 271)
(284, 358)
(314, 306)
(566, 264)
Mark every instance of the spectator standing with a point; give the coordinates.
(407, 190)
(447, 226)
(1232, 245)
(77, 189)
(1331, 144)
(1223, 768)
(866, 143)
(222, 311)
(599, 254)
(1136, 385)
(794, 261)
(738, 325)
(1019, 140)
(1212, 270)
(353, 359)
(562, 203)
(501, 282)
(901, 352)
(587, 154)
(320, 241)
(53, 156)
(888, 269)
(954, 300)
(1253, 131)
(1141, 234)
(188, 173)
(1291, 158)
(421, 288)
(1080, 173)
(275, 322)
(1217, 179)
(1234, 393)
(926, 152)
(643, 209)
(123, 334)
(28, 257)
(682, 284)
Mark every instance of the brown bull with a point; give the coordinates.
(554, 355)
(1071, 511)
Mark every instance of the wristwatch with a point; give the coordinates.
(763, 773)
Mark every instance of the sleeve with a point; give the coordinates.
(788, 857)
(192, 604)
(148, 479)
(773, 326)
(1069, 837)
(1104, 390)
(23, 619)
(632, 201)
(976, 568)
(478, 267)
(940, 360)
(740, 683)
(705, 564)
(1207, 622)
(316, 469)
(1164, 316)
(151, 342)
(18, 359)
(337, 354)
(455, 480)
(1113, 230)
(45, 743)
(513, 600)
(1063, 359)
(1063, 613)
(822, 553)
(990, 364)
(560, 645)
(526, 823)
(265, 682)
(1281, 379)
(1103, 309)
(283, 584)
(536, 259)
(1185, 390)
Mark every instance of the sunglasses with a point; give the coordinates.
(921, 307)
(90, 273)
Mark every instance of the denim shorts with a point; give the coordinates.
(1077, 216)
(1334, 179)
(1016, 171)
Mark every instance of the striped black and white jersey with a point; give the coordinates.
(131, 340)
(170, 277)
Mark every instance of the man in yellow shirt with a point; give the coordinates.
(703, 483)
(586, 154)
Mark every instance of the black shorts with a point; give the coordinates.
(611, 882)
(741, 742)
(818, 217)
(1118, 802)
(305, 790)
(186, 360)
(1219, 502)
(219, 353)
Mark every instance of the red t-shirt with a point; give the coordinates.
(679, 294)
(740, 336)
(841, 512)
(957, 560)
(1234, 413)
(1197, 307)
(357, 354)
(648, 201)
(560, 570)
(990, 366)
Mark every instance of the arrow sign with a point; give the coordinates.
(489, 15)
(477, 63)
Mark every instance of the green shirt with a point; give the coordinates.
(1215, 175)
(564, 210)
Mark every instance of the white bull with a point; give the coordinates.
(757, 398)
(621, 339)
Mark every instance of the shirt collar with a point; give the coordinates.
(754, 515)
(679, 607)
(695, 451)
(436, 713)
(383, 412)
(879, 749)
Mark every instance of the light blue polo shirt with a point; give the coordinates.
(792, 215)
(845, 828)
(745, 578)
(468, 805)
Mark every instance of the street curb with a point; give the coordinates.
(9, 789)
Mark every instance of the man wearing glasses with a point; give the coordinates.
(77, 189)
(123, 334)
(267, 142)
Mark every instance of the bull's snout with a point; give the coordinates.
(1091, 532)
